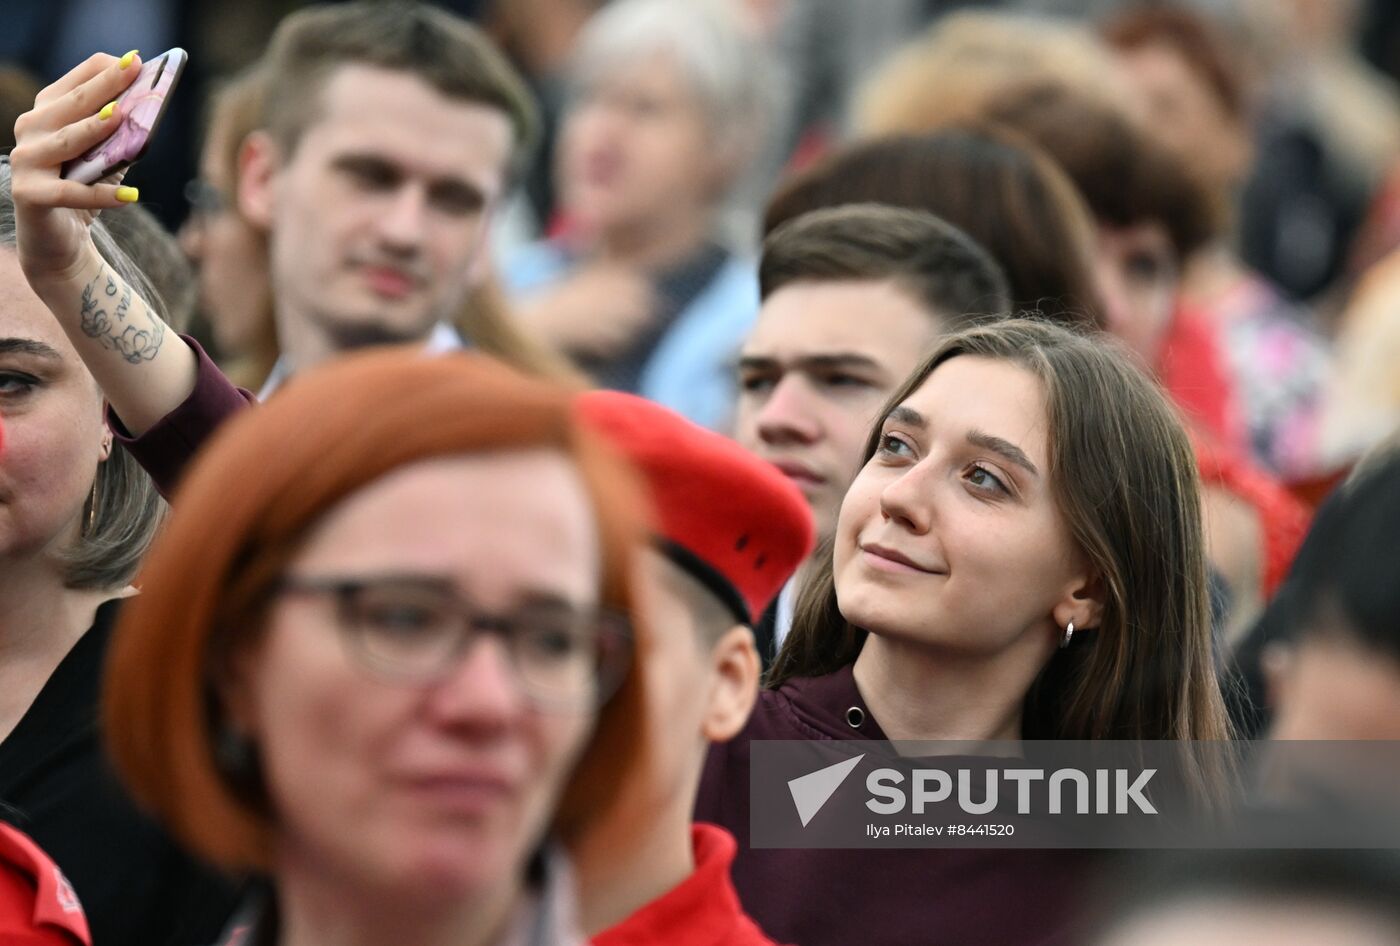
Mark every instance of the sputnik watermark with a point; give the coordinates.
(1112, 793)
(1063, 794)
(1104, 791)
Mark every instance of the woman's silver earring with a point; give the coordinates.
(1069, 633)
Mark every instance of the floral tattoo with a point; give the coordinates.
(136, 336)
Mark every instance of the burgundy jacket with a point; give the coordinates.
(167, 448)
(954, 897)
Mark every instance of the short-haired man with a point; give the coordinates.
(390, 132)
(729, 531)
(853, 297)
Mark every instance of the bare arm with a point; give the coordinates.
(143, 368)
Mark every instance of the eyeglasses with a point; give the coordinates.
(204, 198)
(416, 629)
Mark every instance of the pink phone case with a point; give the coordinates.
(142, 105)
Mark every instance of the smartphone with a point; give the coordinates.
(141, 106)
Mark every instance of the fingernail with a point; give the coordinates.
(107, 111)
(127, 60)
(127, 195)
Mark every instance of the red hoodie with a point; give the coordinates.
(37, 904)
(703, 910)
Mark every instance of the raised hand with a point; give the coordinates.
(145, 370)
(52, 215)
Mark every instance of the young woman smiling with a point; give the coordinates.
(1020, 556)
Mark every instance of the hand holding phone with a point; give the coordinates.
(140, 108)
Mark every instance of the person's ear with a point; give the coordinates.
(734, 671)
(259, 159)
(1083, 603)
(105, 447)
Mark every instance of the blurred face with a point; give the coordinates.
(54, 433)
(678, 675)
(636, 150)
(378, 214)
(231, 255)
(424, 789)
(822, 358)
(1331, 687)
(1182, 110)
(1271, 923)
(949, 535)
(1137, 277)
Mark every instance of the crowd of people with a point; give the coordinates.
(536, 412)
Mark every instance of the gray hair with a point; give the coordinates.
(125, 510)
(730, 73)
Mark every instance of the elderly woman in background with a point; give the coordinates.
(383, 657)
(1195, 102)
(636, 285)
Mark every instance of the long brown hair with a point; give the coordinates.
(1123, 475)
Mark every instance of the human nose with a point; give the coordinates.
(483, 692)
(908, 500)
(402, 221)
(786, 417)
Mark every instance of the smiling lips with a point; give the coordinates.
(886, 559)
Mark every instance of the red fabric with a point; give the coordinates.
(735, 513)
(37, 904)
(1283, 518)
(703, 910)
(1193, 372)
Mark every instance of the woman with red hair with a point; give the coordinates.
(381, 656)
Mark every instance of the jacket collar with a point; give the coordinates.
(832, 705)
(702, 910)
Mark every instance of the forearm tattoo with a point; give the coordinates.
(135, 335)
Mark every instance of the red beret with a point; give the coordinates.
(731, 520)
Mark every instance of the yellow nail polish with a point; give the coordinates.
(128, 59)
(128, 195)
(107, 111)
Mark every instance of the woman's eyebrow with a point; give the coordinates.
(28, 346)
(1003, 448)
(907, 416)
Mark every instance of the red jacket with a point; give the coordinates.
(37, 904)
(1283, 519)
(702, 911)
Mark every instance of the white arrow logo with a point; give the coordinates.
(810, 792)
